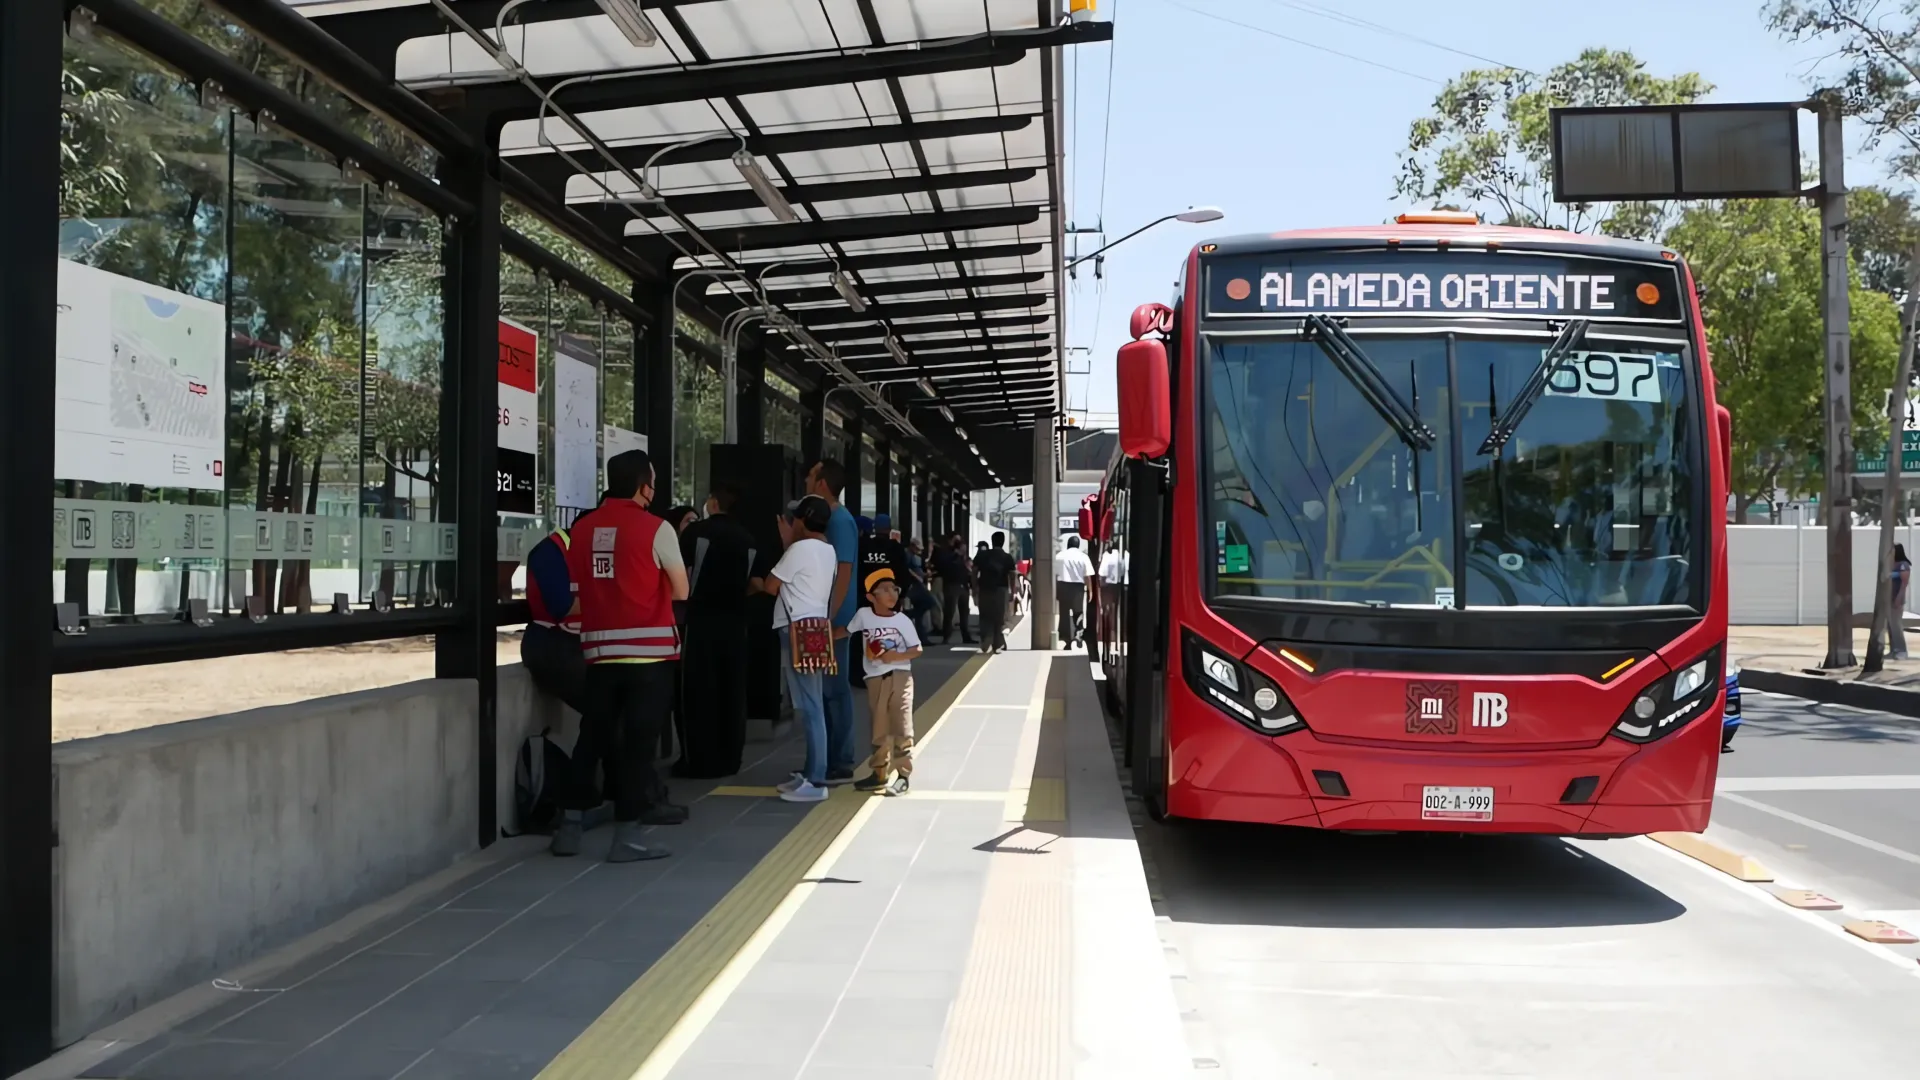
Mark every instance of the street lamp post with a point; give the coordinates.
(1193, 216)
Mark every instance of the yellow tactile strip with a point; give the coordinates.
(627, 1033)
(1011, 1017)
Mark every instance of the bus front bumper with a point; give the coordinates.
(1226, 773)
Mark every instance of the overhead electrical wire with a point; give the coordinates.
(1390, 31)
(1302, 42)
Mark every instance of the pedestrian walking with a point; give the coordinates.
(920, 600)
(627, 574)
(891, 645)
(1071, 571)
(802, 584)
(1897, 604)
(993, 570)
(956, 584)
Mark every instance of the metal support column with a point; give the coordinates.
(469, 405)
(1835, 315)
(909, 530)
(30, 57)
(661, 383)
(1046, 532)
(813, 428)
(752, 375)
(883, 479)
(856, 432)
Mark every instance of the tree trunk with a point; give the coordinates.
(1890, 498)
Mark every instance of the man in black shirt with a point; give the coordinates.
(993, 573)
(719, 553)
(956, 583)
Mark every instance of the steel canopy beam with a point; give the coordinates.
(551, 171)
(885, 260)
(773, 74)
(743, 198)
(827, 293)
(831, 231)
(917, 308)
(857, 333)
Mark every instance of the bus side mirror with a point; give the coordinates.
(1146, 416)
(1725, 421)
(1086, 523)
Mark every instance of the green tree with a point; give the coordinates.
(1757, 264)
(1879, 46)
(1487, 143)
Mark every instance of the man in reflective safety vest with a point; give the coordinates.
(551, 646)
(626, 573)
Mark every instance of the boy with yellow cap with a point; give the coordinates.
(892, 643)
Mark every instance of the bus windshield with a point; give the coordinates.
(1314, 495)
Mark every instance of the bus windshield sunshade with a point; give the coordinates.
(1366, 377)
(1571, 335)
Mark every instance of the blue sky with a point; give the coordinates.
(1282, 135)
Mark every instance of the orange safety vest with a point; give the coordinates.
(626, 600)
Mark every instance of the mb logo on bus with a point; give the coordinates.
(1489, 710)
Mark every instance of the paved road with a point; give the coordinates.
(1309, 954)
(1828, 796)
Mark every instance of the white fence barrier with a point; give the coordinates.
(1777, 574)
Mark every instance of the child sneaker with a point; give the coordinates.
(899, 785)
(871, 783)
(805, 793)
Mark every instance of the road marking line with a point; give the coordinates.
(1811, 918)
(1818, 783)
(1697, 847)
(1821, 826)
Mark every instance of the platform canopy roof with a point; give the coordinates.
(887, 174)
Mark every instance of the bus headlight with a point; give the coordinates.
(1668, 704)
(1238, 690)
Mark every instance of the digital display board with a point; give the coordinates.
(1426, 282)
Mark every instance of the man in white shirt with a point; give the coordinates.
(1112, 575)
(1070, 573)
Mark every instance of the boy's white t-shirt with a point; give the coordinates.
(806, 572)
(885, 633)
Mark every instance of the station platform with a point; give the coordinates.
(995, 922)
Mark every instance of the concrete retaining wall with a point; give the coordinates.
(186, 849)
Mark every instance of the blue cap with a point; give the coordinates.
(882, 522)
(865, 524)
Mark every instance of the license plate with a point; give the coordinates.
(1457, 804)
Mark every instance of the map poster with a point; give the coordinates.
(518, 466)
(576, 423)
(619, 440)
(140, 384)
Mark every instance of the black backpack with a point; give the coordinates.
(538, 778)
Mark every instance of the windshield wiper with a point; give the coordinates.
(1366, 377)
(1571, 335)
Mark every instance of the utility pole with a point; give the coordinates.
(1046, 531)
(1835, 315)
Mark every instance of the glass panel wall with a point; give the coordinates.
(699, 421)
(248, 364)
(869, 476)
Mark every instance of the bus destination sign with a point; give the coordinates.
(1429, 283)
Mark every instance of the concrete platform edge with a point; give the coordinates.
(1126, 1020)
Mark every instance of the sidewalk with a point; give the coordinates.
(1787, 659)
(994, 923)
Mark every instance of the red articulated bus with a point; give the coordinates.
(1422, 529)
